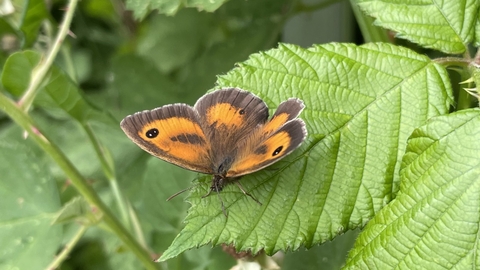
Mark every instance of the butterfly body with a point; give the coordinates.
(227, 133)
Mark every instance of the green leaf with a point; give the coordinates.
(35, 12)
(477, 33)
(59, 96)
(171, 42)
(362, 103)
(100, 249)
(27, 208)
(437, 211)
(77, 209)
(141, 8)
(447, 26)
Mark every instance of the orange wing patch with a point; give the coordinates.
(277, 122)
(260, 156)
(225, 114)
(178, 137)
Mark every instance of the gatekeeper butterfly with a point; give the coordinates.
(226, 133)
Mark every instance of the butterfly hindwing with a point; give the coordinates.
(286, 111)
(272, 141)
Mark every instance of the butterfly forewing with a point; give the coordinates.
(172, 133)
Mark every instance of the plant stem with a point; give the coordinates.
(452, 61)
(137, 228)
(77, 180)
(67, 249)
(38, 74)
(109, 172)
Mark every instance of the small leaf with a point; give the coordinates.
(447, 26)
(35, 12)
(77, 209)
(437, 211)
(29, 200)
(59, 96)
(362, 103)
(141, 8)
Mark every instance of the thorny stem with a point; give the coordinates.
(38, 74)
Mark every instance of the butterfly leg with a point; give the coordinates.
(217, 185)
(221, 202)
(246, 193)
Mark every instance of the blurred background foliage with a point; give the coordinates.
(124, 62)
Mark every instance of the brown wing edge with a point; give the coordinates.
(292, 106)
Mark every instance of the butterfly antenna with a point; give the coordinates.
(180, 192)
(246, 193)
(183, 190)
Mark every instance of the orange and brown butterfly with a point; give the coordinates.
(227, 134)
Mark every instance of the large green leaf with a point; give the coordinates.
(29, 200)
(362, 103)
(141, 8)
(445, 25)
(433, 223)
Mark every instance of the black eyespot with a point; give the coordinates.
(242, 112)
(152, 133)
(277, 151)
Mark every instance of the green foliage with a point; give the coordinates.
(141, 8)
(447, 26)
(387, 154)
(343, 155)
(59, 94)
(29, 202)
(436, 211)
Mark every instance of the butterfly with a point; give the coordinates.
(227, 134)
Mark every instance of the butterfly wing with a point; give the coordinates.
(272, 141)
(172, 133)
(228, 116)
